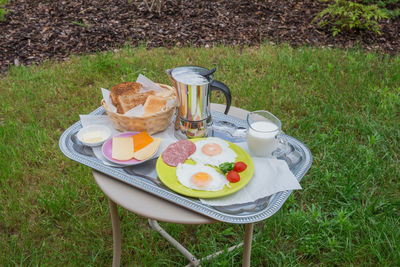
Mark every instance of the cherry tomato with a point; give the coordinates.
(240, 166)
(233, 177)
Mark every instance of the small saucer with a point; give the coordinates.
(94, 135)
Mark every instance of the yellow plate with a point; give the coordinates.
(167, 175)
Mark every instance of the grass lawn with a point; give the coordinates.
(345, 105)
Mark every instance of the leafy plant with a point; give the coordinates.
(345, 15)
(391, 7)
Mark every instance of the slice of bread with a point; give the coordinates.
(126, 88)
(164, 93)
(154, 104)
(126, 102)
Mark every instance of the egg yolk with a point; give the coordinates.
(211, 149)
(200, 179)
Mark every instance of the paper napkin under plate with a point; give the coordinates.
(271, 175)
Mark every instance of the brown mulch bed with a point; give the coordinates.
(36, 30)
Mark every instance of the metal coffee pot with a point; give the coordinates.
(194, 85)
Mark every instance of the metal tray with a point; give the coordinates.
(299, 159)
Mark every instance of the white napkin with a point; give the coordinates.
(148, 85)
(137, 111)
(107, 99)
(167, 138)
(270, 176)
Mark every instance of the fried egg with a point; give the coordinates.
(200, 177)
(213, 151)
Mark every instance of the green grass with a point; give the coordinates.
(3, 10)
(345, 105)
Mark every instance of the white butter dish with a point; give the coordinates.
(94, 135)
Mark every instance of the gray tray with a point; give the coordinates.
(298, 157)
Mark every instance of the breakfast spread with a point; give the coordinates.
(205, 167)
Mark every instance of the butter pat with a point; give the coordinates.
(93, 137)
(122, 148)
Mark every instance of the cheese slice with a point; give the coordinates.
(148, 151)
(141, 140)
(122, 148)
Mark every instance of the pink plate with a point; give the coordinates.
(107, 151)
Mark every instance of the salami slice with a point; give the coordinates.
(189, 147)
(178, 152)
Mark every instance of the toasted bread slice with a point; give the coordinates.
(126, 102)
(126, 88)
(164, 93)
(154, 104)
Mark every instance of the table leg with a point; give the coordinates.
(193, 260)
(248, 237)
(116, 233)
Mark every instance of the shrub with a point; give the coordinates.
(344, 15)
(391, 7)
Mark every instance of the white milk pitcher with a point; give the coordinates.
(264, 135)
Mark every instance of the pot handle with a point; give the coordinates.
(219, 86)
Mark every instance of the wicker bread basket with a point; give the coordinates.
(152, 123)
